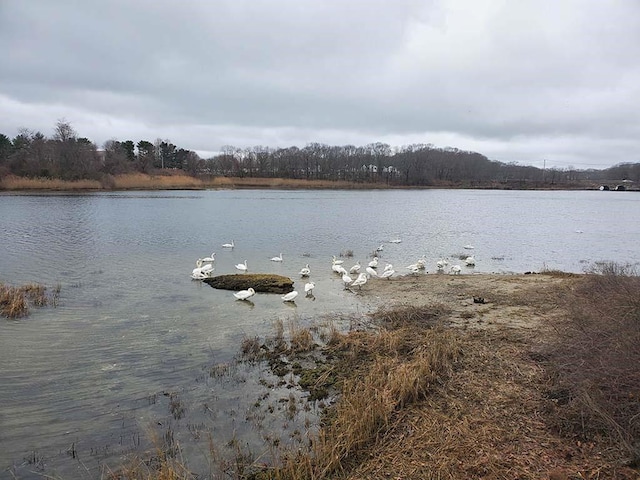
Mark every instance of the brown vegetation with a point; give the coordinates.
(15, 301)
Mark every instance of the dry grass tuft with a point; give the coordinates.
(15, 301)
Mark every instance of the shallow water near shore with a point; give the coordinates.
(83, 383)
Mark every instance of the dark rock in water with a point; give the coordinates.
(260, 282)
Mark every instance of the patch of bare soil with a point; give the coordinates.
(494, 416)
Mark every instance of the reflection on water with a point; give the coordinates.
(133, 332)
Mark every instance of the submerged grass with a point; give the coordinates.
(15, 301)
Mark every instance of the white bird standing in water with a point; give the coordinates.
(242, 266)
(305, 271)
(277, 259)
(308, 288)
(244, 294)
(211, 258)
(290, 297)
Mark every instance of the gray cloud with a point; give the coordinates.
(522, 82)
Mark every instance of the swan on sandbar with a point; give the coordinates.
(339, 269)
(229, 245)
(244, 294)
(455, 269)
(242, 266)
(387, 273)
(346, 279)
(305, 272)
(359, 281)
(290, 297)
(355, 268)
(277, 259)
(470, 261)
(371, 272)
(388, 266)
(308, 288)
(374, 263)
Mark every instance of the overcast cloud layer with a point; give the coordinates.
(524, 81)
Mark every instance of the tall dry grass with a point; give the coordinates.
(11, 182)
(383, 373)
(132, 181)
(597, 359)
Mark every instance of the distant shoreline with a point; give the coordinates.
(140, 181)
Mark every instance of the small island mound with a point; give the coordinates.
(260, 282)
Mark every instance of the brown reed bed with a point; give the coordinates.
(12, 182)
(141, 181)
(15, 301)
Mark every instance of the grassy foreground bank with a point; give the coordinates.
(473, 376)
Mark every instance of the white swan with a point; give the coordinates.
(396, 240)
(244, 294)
(380, 248)
(290, 297)
(371, 272)
(347, 280)
(374, 263)
(469, 247)
(355, 268)
(339, 269)
(242, 266)
(305, 271)
(359, 281)
(455, 269)
(308, 288)
(470, 261)
(388, 266)
(422, 262)
(387, 273)
(211, 258)
(335, 261)
(440, 264)
(229, 245)
(277, 259)
(201, 271)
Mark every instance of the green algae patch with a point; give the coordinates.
(260, 282)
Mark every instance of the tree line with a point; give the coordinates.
(69, 157)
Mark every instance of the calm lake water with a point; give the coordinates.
(91, 380)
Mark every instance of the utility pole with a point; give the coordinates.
(544, 169)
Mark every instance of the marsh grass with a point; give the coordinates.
(15, 301)
(597, 359)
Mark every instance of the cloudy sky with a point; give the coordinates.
(527, 81)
